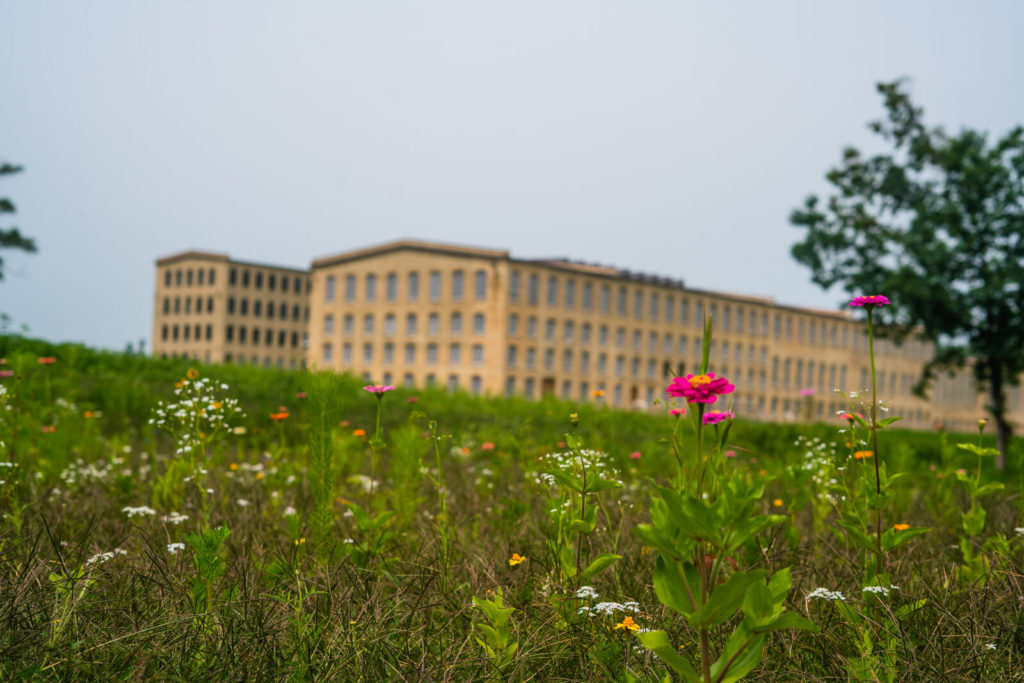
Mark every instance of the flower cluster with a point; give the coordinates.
(609, 608)
(700, 388)
(100, 558)
(596, 463)
(825, 594)
(198, 415)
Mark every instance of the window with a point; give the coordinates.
(167, 278)
(513, 287)
(270, 310)
(638, 304)
(389, 353)
(478, 354)
(479, 323)
(533, 290)
(410, 323)
(654, 306)
(552, 291)
(350, 288)
(621, 301)
(328, 353)
(568, 331)
(392, 287)
(454, 354)
(177, 278)
(588, 296)
(167, 304)
(282, 310)
(271, 281)
(433, 324)
(570, 294)
(453, 382)
(602, 364)
(259, 280)
(200, 275)
(606, 298)
(348, 324)
(531, 327)
(346, 353)
(549, 359)
(513, 324)
(435, 285)
(476, 384)
(510, 386)
(229, 333)
(371, 287)
(245, 278)
(188, 305)
(585, 361)
(620, 337)
(257, 308)
(368, 323)
(528, 387)
(328, 325)
(549, 329)
(367, 353)
(243, 307)
(284, 282)
(567, 360)
(510, 359)
(389, 324)
(242, 332)
(480, 285)
(585, 333)
(456, 324)
(637, 339)
(602, 335)
(177, 304)
(413, 292)
(163, 332)
(531, 357)
(410, 354)
(458, 285)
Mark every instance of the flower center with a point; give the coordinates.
(699, 380)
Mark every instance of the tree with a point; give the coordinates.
(10, 238)
(937, 225)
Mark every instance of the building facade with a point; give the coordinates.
(421, 313)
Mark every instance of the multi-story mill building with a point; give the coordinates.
(421, 313)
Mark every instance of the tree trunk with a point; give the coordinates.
(1004, 432)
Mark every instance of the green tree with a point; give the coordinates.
(937, 225)
(10, 238)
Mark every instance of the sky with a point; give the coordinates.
(670, 138)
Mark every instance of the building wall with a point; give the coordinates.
(237, 308)
(421, 313)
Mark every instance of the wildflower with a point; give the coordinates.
(300, 541)
(487, 446)
(880, 590)
(990, 646)
(901, 527)
(586, 592)
(412, 399)
(238, 430)
(173, 548)
(777, 502)
(1019, 530)
(825, 594)
(49, 429)
(981, 424)
(289, 511)
(574, 419)
(192, 373)
(6, 373)
(859, 455)
(174, 518)
(281, 414)
(47, 360)
(597, 393)
(636, 455)
(700, 388)
(242, 503)
(713, 417)
(677, 412)
(850, 417)
(358, 432)
(379, 389)
(142, 511)
(730, 454)
(870, 301)
(516, 559)
(627, 624)
(233, 466)
(805, 393)
(300, 395)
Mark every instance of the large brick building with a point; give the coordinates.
(421, 313)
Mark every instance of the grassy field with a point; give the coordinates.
(166, 521)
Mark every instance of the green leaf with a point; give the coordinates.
(725, 599)
(893, 539)
(654, 538)
(595, 485)
(573, 441)
(658, 642)
(600, 563)
(885, 422)
(858, 535)
(566, 480)
(741, 654)
(790, 620)
(670, 585)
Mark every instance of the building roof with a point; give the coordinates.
(410, 245)
(192, 255)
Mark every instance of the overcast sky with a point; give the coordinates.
(672, 138)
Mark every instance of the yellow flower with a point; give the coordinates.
(516, 559)
(777, 502)
(233, 466)
(300, 541)
(259, 475)
(628, 624)
(900, 527)
(192, 373)
(597, 393)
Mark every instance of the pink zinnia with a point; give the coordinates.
(713, 417)
(870, 301)
(700, 388)
(677, 412)
(379, 388)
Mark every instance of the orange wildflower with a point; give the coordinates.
(627, 624)
(49, 429)
(863, 454)
(47, 360)
(900, 527)
(777, 502)
(516, 559)
(277, 417)
(358, 432)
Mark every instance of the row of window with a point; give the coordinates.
(189, 277)
(348, 324)
(185, 332)
(287, 282)
(431, 357)
(268, 311)
(189, 306)
(243, 336)
(457, 284)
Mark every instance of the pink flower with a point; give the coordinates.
(636, 455)
(379, 389)
(487, 446)
(6, 373)
(301, 394)
(677, 412)
(700, 388)
(730, 454)
(807, 392)
(870, 300)
(713, 417)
